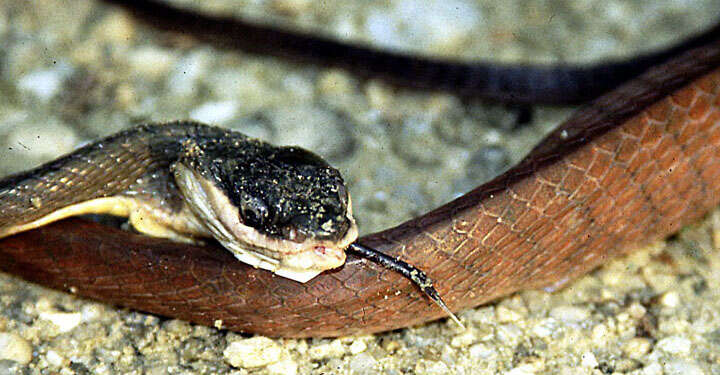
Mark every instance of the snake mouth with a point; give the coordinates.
(295, 255)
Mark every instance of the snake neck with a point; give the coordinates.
(127, 174)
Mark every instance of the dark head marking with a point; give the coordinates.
(285, 192)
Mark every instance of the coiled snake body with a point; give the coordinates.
(632, 167)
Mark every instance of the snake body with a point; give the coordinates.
(635, 166)
(632, 167)
(278, 208)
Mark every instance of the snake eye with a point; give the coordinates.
(253, 211)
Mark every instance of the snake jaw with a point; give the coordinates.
(299, 261)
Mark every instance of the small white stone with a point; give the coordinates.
(675, 345)
(588, 360)
(570, 314)
(636, 310)
(636, 347)
(215, 112)
(253, 352)
(54, 358)
(524, 369)
(65, 322)
(302, 347)
(508, 334)
(15, 348)
(44, 84)
(334, 349)
(545, 327)
(483, 351)
(362, 363)
(357, 346)
(178, 328)
(670, 299)
(600, 334)
(152, 62)
(653, 368)
(680, 367)
(335, 83)
(426, 367)
(506, 315)
(284, 367)
(293, 7)
(423, 24)
(466, 338)
(91, 312)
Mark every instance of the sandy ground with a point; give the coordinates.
(71, 72)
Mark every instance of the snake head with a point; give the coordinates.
(279, 208)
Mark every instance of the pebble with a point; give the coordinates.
(283, 367)
(357, 346)
(524, 369)
(487, 163)
(382, 31)
(600, 334)
(152, 62)
(420, 24)
(636, 310)
(363, 363)
(116, 28)
(178, 328)
(680, 367)
(506, 315)
(652, 368)
(415, 136)
(636, 347)
(483, 351)
(466, 338)
(427, 367)
(670, 299)
(291, 7)
(508, 334)
(54, 358)
(545, 327)
(254, 352)
(15, 348)
(391, 346)
(588, 360)
(44, 84)
(570, 314)
(64, 321)
(215, 112)
(658, 279)
(333, 349)
(483, 315)
(675, 345)
(335, 83)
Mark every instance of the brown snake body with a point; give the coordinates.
(635, 166)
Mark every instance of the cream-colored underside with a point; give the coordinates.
(143, 217)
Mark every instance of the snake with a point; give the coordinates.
(634, 166)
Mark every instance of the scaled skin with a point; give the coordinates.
(278, 208)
